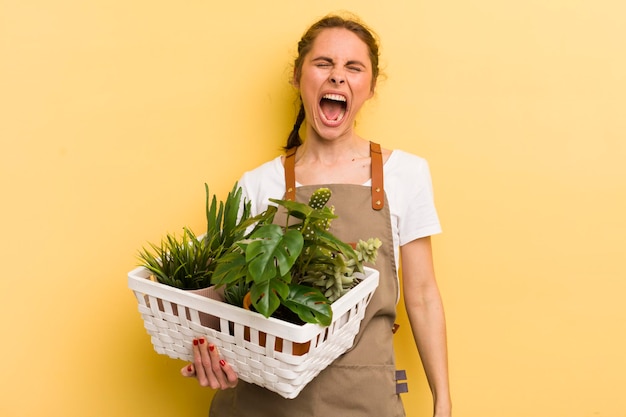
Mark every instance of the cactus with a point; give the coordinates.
(318, 201)
(319, 198)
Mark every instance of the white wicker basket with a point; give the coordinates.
(280, 356)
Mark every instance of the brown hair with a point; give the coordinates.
(305, 45)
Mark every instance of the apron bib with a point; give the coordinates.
(361, 382)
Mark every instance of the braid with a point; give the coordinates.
(294, 139)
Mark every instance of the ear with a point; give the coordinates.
(373, 89)
(295, 81)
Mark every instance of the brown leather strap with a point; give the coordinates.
(378, 191)
(290, 174)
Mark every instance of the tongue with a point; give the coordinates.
(331, 109)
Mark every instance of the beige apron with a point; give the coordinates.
(362, 382)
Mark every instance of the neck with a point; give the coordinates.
(330, 152)
(346, 145)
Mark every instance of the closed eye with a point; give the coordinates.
(356, 66)
(322, 62)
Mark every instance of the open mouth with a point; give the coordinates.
(333, 107)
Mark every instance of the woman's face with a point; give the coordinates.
(335, 81)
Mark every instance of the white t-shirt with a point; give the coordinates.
(407, 184)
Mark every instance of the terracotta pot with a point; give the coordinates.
(207, 320)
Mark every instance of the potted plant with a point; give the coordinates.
(188, 262)
(298, 266)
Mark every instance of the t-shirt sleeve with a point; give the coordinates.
(262, 183)
(417, 215)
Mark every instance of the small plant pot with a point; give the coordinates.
(206, 320)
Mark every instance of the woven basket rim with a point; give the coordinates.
(138, 280)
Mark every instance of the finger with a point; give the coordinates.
(188, 371)
(209, 365)
(201, 374)
(218, 368)
(224, 373)
(229, 372)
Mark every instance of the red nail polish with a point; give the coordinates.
(202, 341)
(211, 348)
(189, 368)
(222, 362)
(195, 342)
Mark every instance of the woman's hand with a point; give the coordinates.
(209, 368)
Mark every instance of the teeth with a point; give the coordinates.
(334, 97)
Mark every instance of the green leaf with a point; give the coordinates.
(266, 296)
(230, 269)
(309, 304)
(296, 209)
(213, 220)
(272, 253)
(267, 217)
(332, 242)
(225, 220)
(230, 232)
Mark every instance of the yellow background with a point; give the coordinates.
(114, 113)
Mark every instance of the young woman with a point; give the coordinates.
(335, 73)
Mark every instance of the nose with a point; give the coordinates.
(337, 78)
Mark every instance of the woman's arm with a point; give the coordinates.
(425, 310)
